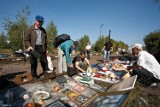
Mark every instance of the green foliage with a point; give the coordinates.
(83, 42)
(100, 43)
(3, 41)
(116, 44)
(51, 34)
(15, 29)
(152, 42)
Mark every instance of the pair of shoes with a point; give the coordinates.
(153, 85)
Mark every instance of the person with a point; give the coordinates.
(36, 43)
(107, 49)
(80, 62)
(88, 48)
(64, 51)
(147, 68)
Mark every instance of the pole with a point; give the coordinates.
(109, 34)
(101, 28)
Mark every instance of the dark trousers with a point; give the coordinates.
(146, 76)
(41, 55)
(88, 54)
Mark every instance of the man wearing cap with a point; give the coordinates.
(147, 67)
(36, 42)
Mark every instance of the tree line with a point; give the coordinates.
(15, 30)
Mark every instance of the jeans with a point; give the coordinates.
(106, 53)
(88, 54)
(145, 75)
(62, 65)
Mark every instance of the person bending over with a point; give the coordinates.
(80, 62)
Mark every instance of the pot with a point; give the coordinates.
(30, 104)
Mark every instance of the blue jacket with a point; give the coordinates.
(67, 49)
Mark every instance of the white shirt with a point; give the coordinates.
(88, 47)
(148, 62)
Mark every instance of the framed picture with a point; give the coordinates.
(71, 94)
(79, 88)
(57, 103)
(109, 101)
(82, 99)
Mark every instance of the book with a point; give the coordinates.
(87, 80)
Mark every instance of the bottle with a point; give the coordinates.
(9, 96)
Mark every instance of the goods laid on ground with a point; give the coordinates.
(99, 86)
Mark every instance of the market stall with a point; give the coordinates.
(98, 87)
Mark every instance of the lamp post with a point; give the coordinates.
(101, 28)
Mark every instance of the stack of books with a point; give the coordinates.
(87, 80)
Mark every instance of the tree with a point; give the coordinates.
(83, 42)
(3, 41)
(152, 43)
(15, 29)
(100, 43)
(51, 34)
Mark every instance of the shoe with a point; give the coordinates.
(153, 85)
(35, 77)
(49, 71)
(43, 76)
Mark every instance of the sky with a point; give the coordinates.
(129, 20)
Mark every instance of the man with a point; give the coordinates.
(80, 62)
(88, 48)
(107, 51)
(147, 67)
(36, 43)
(64, 51)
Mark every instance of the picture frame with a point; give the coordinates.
(71, 94)
(79, 88)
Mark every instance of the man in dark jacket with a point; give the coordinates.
(107, 47)
(36, 43)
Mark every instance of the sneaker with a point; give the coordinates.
(49, 71)
(35, 77)
(153, 85)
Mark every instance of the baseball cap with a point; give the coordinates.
(39, 18)
(137, 45)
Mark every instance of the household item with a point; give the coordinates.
(104, 69)
(41, 95)
(30, 104)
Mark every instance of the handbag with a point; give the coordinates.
(71, 71)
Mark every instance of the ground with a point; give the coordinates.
(141, 96)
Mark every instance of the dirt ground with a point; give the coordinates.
(151, 95)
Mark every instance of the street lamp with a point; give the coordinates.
(101, 28)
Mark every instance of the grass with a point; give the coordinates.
(142, 98)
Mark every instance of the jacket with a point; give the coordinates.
(67, 49)
(31, 37)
